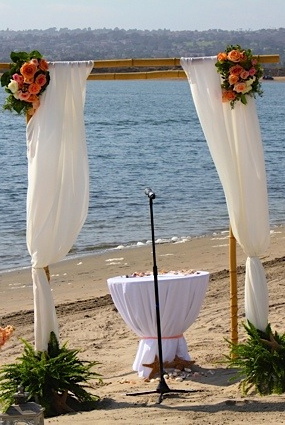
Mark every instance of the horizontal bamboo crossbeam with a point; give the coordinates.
(147, 63)
(133, 63)
(170, 62)
(154, 62)
(147, 75)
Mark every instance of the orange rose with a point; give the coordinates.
(28, 71)
(34, 61)
(244, 75)
(28, 80)
(43, 65)
(23, 95)
(234, 56)
(240, 88)
(222, 57)
(41, 80)
(233, 79)
(34, 88)
(32, 98)
(228, 95)
(236, 69)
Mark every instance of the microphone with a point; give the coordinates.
(149, 193)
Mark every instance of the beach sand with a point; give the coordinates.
(89, 321)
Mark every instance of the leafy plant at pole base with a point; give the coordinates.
(53, 378)
(260, 360)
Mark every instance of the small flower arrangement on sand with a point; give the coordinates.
(25, 81)
(5, 334)
(240, 73)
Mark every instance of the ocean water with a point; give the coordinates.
(140, 134)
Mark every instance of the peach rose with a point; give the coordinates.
(43, 65)
(32, 98)
(244, 75)
(228, 95)
(233, 79)
(240, 88)
(34, 88)
(222, 57)
(236, 69)
(28, 71)
(23, 95)
(41, 80)
(35, 62)
(234, 56)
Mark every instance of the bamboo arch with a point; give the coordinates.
(151, 72)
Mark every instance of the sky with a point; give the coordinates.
(175, 15)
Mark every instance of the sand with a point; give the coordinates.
(89, 321)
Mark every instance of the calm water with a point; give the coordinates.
(140, 134)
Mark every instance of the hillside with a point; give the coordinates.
(84, 44)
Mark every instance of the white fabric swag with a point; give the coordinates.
(234, 140)
(58, 183)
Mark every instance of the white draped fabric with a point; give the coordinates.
(234, 140)
(58, 183)
(180, 300)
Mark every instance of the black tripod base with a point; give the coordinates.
(162, 389)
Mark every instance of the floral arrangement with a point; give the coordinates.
(26, 80)
(240, 73)
(5, 334)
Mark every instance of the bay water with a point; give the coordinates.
(140, 134)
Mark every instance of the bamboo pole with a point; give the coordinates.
(233, 287)
(146, 75)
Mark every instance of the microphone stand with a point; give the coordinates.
(162, 387)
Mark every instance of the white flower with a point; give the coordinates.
(13, 86)
(250, 81)
(247, 89)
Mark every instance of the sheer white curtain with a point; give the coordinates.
(234, 140)
(58, 183)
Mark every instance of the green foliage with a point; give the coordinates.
(49, 377)
(260, 360)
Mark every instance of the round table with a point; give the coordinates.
(180, 300)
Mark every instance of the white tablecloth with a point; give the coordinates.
(180, 300)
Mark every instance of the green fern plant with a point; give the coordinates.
(52, 378)
(260, 361)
